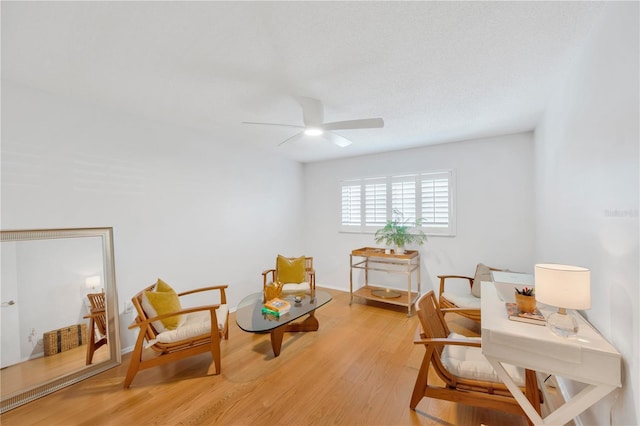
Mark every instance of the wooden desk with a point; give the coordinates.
(587, 357)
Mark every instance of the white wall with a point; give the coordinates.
(586, 180)
(184, 207)
(494, 207)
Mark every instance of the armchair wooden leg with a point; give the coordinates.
(136, 359)
(91, 347)
(421, 381)
(215, 353)
(531, 391)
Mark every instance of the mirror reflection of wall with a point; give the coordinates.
(47, 279)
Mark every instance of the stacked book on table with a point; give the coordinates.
(516, 315)
(276, 307)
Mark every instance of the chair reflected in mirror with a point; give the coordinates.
(97, 324)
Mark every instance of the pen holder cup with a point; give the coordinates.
(526, 303)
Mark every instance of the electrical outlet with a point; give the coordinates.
(128, 307)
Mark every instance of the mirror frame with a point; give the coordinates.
(111, 298)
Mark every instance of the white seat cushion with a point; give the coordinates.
(196, 324)
(295, 287)
(463, 300)
(469, 363)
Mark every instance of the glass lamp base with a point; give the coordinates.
(562, 323)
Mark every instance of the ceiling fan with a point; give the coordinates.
(313, 119)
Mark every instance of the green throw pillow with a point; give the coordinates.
(290, 270)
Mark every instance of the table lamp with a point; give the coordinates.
(565, 287)
(92, 282)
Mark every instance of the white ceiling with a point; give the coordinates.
(435, 71)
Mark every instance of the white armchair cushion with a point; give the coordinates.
(483, 273)
(462, 300)
(469, 363)
(295, 287)
(195, 324)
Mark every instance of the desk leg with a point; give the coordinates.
(527, 407)
(566, 412)
(576, 405)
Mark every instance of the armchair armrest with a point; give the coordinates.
(221, 288)
(443, 279)
(265, 273)
(143, 322)
(420, 338)
(312, 279)
(95, 313)
(448, 341)
(460, 310)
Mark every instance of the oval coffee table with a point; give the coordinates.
(250, 318)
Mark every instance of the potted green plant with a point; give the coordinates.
(399, 232)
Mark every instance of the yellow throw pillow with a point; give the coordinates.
(162, 286)
(162, 300)
(290, 270)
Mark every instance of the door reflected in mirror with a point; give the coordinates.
(58, 296)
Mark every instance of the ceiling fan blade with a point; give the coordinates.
(294, 137)
(337, 139)
(365, 123)
(312, 111)
(274, 124)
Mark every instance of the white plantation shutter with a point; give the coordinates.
(435, 200)
(367, 204)
(375, 202)
(403, 197)
(351, 206)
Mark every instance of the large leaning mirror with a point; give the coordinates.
(57, 295)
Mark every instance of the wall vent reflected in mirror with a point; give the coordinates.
(58, 310)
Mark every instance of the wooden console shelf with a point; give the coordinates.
(375, 259)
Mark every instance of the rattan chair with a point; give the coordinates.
(181, 342)
(97, 324)
(466, 300)
(476, 386)
(307, 284)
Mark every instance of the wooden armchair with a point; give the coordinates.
(464, 302)
(199, 330)
(295, 273)
(97, 322)
(458, 361)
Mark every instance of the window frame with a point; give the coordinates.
(362, 227)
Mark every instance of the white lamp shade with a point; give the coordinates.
(563, 286)
(92, 282)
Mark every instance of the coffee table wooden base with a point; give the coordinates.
(308, 324)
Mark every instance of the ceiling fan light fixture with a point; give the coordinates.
(313, 131)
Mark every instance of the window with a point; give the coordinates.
(367, 203)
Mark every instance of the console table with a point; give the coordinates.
(586, 358)
(375, 259)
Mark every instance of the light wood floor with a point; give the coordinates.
(358, 369)
(33, 372)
